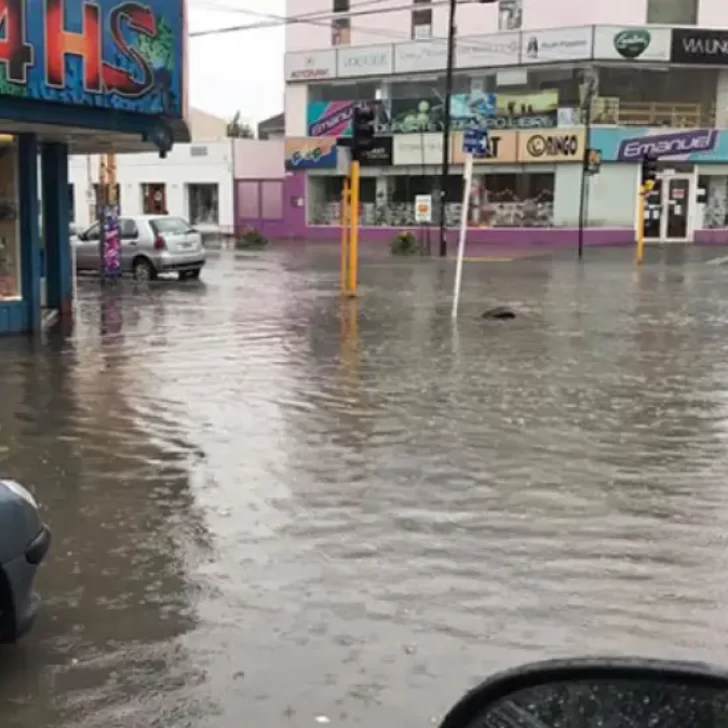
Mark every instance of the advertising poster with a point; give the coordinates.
(310, 153)
(112, 242)
(333, 118)
(488, 111)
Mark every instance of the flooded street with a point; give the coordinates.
(266, 513)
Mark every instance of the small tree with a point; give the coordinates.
(238, 129)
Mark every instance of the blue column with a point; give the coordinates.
(59, 281)
(29, 230)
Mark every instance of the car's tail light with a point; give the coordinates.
(160, 243)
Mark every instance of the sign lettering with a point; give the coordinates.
(140, 60)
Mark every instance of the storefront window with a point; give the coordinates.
(9, 227)
(498, 200)
(203, 204)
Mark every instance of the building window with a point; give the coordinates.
(10, 288)
(203, 204)
(510, 14)
(422, 21)
(672, 12)
(154, 198)
(341, 6)
(340, 31)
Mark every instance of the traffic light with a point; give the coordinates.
(362, 125)
(649, 169)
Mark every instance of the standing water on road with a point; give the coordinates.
(267, 513)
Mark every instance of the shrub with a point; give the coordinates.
(405, 244)
(251, 240)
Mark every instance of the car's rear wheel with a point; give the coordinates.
(144, 270)
(186, 275)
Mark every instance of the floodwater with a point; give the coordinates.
(269, 512)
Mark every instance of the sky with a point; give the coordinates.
(236, 71)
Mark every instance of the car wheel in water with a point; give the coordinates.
(144, 270)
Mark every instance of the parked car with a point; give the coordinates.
(24, 543)
(150, 245)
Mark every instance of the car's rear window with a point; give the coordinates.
(169, 225)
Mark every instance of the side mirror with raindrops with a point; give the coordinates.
(598, 693)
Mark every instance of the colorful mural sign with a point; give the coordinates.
(310, 153)
(629, 144)
(126, 55)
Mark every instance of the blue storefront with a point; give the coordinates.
(75, 77)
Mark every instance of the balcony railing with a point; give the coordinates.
(610, 110)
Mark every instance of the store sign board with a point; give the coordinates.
(699, 47)
(691, 145)
(488, 51)
(310, 153)
(420, 56)
(124, 56)
(502, 148)
(557, 45)
(333, 118)
(380, 154)
(310, 65)
(417, 149)
(557, 146)
(369, 61)
(619, 43)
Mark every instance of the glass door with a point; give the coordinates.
(676, 209)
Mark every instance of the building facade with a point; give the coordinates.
(658, 70)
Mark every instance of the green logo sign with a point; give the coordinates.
(632, 43)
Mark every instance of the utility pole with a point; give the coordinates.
(591, 81)
(448, 123)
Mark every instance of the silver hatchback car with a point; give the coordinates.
(150, 245)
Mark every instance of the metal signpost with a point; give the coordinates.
(475, 144)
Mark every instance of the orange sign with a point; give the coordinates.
(502, 148)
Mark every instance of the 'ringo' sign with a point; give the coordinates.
(559, 146)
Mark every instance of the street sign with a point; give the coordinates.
(475, 142)
(423, 209)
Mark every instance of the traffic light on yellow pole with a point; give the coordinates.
(362, 140)
(648, 176)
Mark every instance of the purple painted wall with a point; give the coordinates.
(283, 220)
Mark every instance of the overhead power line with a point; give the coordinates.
(308, 18)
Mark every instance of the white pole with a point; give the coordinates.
(467, 184)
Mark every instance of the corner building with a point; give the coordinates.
(660, 75)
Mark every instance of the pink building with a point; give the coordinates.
(524, 69)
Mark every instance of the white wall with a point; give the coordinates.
(185, 165)
(296, 101)
(612, 196)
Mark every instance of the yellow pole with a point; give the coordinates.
(354, 229)
(640, 226)
(344, 235)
